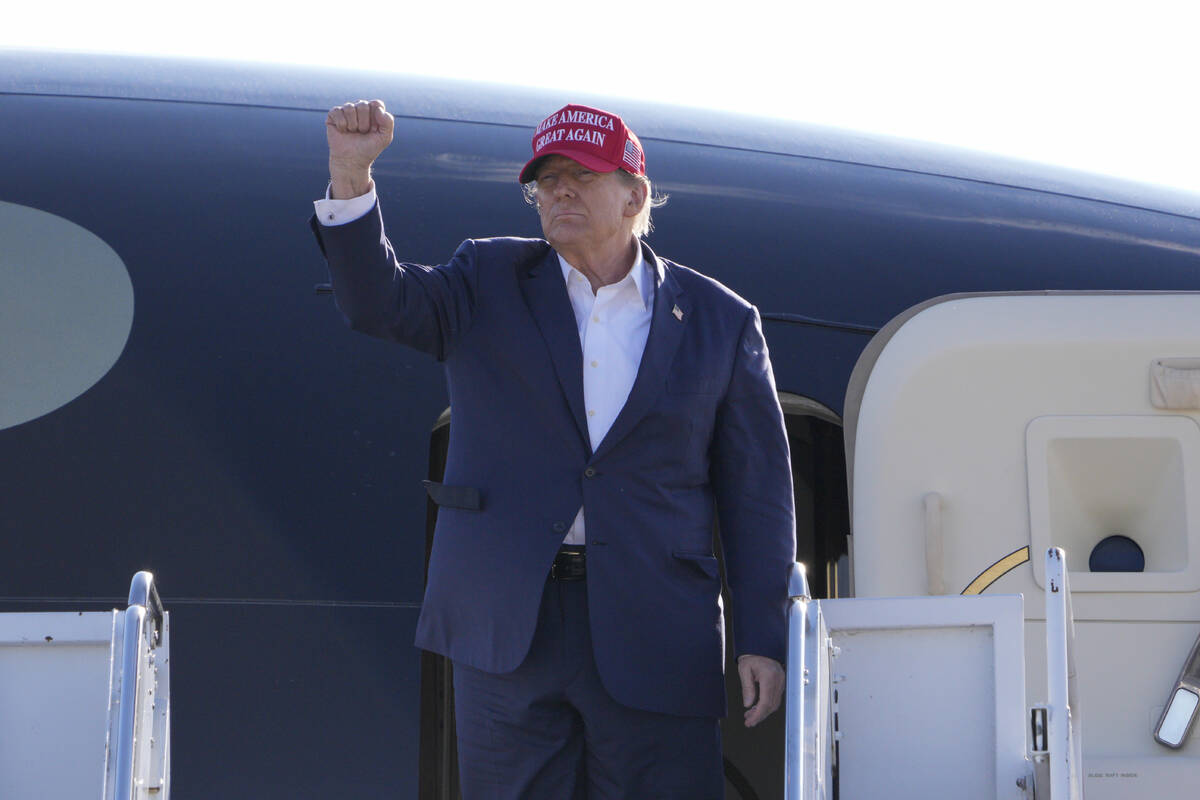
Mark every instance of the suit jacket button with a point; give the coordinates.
(560, 527)
(589, 472)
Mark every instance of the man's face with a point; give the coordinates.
(582, 209)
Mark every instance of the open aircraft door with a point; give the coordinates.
(982, 429)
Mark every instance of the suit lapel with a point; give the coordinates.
(666, 332)
(546, 295)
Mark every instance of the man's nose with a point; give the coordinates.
(564, 188)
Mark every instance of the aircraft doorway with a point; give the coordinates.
(753, 758)
(819, 486)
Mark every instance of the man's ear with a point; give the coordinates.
(637, 199)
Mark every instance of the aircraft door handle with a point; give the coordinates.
(1180, 712)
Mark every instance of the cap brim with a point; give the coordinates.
(589, 160)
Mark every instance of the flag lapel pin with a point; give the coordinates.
(678, 312)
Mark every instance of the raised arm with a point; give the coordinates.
(428, 308)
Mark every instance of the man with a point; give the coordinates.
(603, 399)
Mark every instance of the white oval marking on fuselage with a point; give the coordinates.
(66, 309)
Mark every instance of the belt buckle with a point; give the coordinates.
(554, 571)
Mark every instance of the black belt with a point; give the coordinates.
(569, 564)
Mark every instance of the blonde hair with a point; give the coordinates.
(641, 223)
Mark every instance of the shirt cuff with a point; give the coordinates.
(332, 212)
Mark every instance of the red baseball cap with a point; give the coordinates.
(597, 139)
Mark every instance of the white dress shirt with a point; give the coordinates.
(613, 326)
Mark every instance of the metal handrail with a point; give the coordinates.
(143, 603)
(1065, 719)
(799, 597)
(143, 592)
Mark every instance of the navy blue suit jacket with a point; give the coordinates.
(702, 427)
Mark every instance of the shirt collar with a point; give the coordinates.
(642, 279)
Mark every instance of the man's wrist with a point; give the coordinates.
(346, 183)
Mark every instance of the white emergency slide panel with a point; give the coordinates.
(983, 428)
(54, 673)
(928, 697)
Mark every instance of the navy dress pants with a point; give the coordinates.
(549, 730)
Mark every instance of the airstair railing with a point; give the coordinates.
(1064, 717)
(138, 759)
(799, 599)
(143, 592)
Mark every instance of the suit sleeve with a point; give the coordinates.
(752, 479)
(428, 308)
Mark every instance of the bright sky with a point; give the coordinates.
(1097, 85)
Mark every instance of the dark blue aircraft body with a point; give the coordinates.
(266, 463)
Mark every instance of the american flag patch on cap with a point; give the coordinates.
(633, 155)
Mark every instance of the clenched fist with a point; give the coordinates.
(357, 134)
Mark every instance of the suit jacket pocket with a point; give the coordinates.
(467, 498)
(701, 561)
